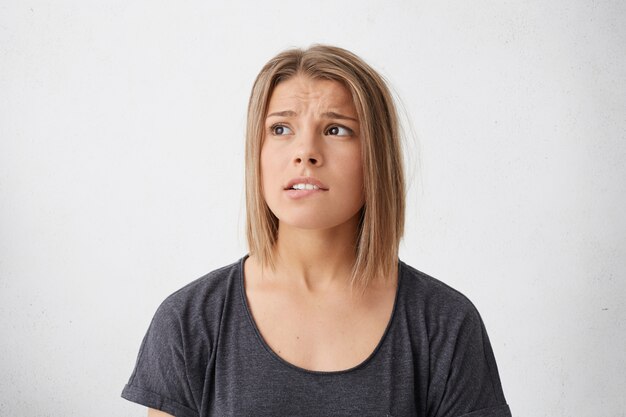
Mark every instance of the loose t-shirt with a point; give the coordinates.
(203, 355)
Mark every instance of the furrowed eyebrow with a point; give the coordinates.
(333, 115)
(327, 115)
(286, 113)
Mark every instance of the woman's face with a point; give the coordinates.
(311, 167)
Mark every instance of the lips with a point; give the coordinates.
(306, 180)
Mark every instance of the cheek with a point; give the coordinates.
(266, 163)
(353, 165)
(350, 170)
(270, 169)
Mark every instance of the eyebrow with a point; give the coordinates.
(333, 115)
(286, 113)
(327, 115)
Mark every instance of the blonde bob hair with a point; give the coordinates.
(381, 222)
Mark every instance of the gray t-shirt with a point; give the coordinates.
(204, 356)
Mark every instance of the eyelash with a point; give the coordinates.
(277, 125)
(350, 131)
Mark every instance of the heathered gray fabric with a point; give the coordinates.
(204, 356)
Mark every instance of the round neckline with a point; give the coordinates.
(284, 362)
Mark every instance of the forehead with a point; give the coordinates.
(300, 91)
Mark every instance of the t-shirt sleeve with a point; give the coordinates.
(464, 377)
(160, 378)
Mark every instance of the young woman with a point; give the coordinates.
(321, 318)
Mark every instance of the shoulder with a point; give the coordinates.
(461, 374)
(180, 341)
(211, 287)
(429, 290)
(435, 302)
(197, 307)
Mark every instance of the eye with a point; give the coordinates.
(337, 130)
(280, 130)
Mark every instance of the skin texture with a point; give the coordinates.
(312, 130)
(322, 327)
(312, 140)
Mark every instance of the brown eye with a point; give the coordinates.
(280, 130)
(339, 131)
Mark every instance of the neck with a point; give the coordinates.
(316, 260)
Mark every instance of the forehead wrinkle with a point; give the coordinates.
(321, 108)
(299, 96)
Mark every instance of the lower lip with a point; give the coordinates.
(296, 194)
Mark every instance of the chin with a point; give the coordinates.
(306, 224)
(316, 221)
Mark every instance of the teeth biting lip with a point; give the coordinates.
(305, 183)
(304, 187)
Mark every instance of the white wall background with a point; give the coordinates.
(121, 177)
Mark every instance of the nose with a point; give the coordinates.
(307, 151)
(313, 160)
